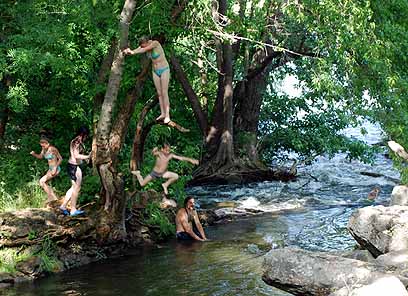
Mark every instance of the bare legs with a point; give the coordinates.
(162, 87)
(170, 176)
(142, 182)
(73, 192)
(48, 189)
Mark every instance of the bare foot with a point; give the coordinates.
(165, 189)
(161, 117)
(136, 173)
(166, 120)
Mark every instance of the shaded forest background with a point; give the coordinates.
(228, 60)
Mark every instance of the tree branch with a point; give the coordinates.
(191, 95)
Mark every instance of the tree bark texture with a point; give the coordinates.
(4, 117)
(105, 120)
(121, 124)
(191, 95)
(114, 198)
(99, 96)
(140, 135)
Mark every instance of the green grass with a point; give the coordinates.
(10, 257)
(30, 195)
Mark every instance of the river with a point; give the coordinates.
(310, 213)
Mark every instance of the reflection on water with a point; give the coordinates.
(227, 265)
(310, 213)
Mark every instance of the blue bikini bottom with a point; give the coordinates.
(160, 71)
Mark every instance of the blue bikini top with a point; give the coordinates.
(49, 156)
(153, 55)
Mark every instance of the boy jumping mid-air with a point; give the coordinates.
(163, 156)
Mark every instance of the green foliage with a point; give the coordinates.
(50, 54)
(90, 187)
(47, 254)
(9, 257)
(155, 216)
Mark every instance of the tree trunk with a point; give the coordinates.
(248, 95)
(113, 184)
(3, 122)
(140, 136)
(121, 124)
(191, 95)
(99, 96)
(219, 150)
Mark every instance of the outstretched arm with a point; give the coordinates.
(183, 158)
(140, 49)
(398, 149)
(39, 156)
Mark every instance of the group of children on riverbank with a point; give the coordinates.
(52, 155)
(76, 148)
(161, 77)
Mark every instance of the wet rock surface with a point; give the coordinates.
(302, 272)
(380, 229)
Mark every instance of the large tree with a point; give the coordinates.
(258, 44)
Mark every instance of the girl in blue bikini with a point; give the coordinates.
(161, 73)
(52, 155)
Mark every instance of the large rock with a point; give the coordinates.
(303, 272)
(380, 229)
(389, 285)
(362, 255)
(399, 196)
(21, 224)
(394, 261)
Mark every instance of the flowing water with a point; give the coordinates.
(311, 213)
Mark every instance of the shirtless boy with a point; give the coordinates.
(163, 156)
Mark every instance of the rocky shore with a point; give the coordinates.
(381, 269)
(44, 241)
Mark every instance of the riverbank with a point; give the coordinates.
(380, 230)
(38, 242)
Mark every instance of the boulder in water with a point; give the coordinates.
(303, 272)
(380, 229)
(388, 285)
(399, 196)
(394, 261)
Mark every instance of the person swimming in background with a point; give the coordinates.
(76, 147)
(52, 155)
(163, 156)
(161, 73)
(188, 225)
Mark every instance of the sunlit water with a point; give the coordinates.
(310, 213)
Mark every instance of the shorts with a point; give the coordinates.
(156, 175)
(72, 169)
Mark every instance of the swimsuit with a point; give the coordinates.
(156, 175)
(160, 71)
(50, 156)
(72, 169)
(154, 55)
(51, 167)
